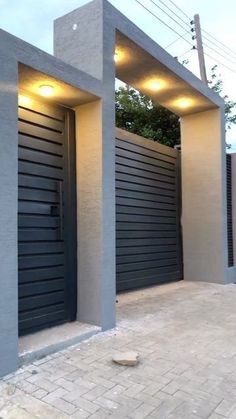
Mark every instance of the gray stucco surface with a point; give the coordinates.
(8, 215)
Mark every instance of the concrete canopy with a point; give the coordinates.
(30, 81)
(149, 74)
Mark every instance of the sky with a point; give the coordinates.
(32, 20)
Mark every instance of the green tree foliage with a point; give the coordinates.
(137, 113)
(216, 84)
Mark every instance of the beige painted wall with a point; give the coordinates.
(204, 197)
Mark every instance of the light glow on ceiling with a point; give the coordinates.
(154, 84)
(184, 103)
(24, 100)
(46, 90)
(119, 56)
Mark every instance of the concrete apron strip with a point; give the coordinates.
(38, 345)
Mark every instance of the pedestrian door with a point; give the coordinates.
(46, 216)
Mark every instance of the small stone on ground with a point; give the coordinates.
(128, 358)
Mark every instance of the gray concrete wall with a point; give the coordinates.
(8, 215)
(204, 217)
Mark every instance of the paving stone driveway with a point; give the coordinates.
(186, 335)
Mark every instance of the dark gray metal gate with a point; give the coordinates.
(148, 237)
(229, 209)
(46, 217)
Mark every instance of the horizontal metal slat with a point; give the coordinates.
(144, 227)
(43, 108)
(145, 151)
(36, 221)
(33, 195)
(145, 257)
(43, 287)
(124, 285)
(140, 211)
(37, 235)
(151, 241)
(122, 193)
(29, 303)
(128, 201)
(145, 181)
(138, 266)
(39, 119)
(159, 176)
(30, 181)
(41, 274)
(144, 250)
(25, 167)
(133, 218)
(137, 234)
(27, 262)
(136, 274)
(39, 132)
(40, 248)
(144, 188)
(34, 156)
(34, 208)
(150, 161)
(144, 167)
(40, 145)
(34, 323)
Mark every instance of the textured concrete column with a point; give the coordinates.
(204, 197)
(8, 216)
(96, 288)
(82, 39)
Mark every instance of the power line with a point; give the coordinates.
(162, 21)
(219, 53)
(170, 15)
(219, 62)
(177, 39)
(233, 55)
(178, 8)
(206, 32)
(224, 45)
(184, 53)
(220, 48)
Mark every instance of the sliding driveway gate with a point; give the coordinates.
(148, 237)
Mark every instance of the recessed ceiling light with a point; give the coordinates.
(184, 103)
(155, 84)
(46, 90)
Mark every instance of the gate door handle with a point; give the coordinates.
(57, 210)
(60, 210)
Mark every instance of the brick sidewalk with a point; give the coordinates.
(186, 336)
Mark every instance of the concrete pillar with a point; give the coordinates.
(8, 216)
(96, 218)
(204, 197)
(82, 39)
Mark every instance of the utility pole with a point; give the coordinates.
(200, 51)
